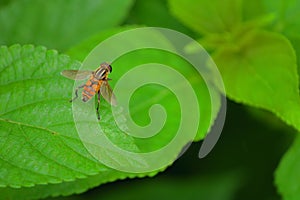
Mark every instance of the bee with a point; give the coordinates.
(96, 84)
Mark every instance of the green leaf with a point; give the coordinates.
(163, 96)
(286, 13)
(250, 59)
(287, 174)
(155, 13)
(136, 58)
(253, 9)
(81, 50)
(208, 16)
(261, 71)
(287, 21)
(41, 154)
(65, 188)
(39, 143)
(58, 24)
(4, 3)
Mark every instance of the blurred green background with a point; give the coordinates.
(242, 164)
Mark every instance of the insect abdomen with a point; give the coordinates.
(91, 87)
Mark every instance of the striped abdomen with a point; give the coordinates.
(91, 87)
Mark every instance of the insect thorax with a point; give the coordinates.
(100, 73)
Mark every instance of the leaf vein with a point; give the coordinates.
(44, 155)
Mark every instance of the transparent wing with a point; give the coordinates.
(107, 93)
(76, 74)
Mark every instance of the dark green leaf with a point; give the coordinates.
(58, 24)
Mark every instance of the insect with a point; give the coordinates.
(96, 84)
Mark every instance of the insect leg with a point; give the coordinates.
(76, 92)
(98, 104)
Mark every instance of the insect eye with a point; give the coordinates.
(110, 68)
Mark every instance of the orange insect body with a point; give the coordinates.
(96, 84)
(91, 87)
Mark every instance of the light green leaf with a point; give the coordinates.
(287, 20)
(250, 59)
(287, 174)
(58, 24)
(261, 71)
(286, 14)
(208, 16)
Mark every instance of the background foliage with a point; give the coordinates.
(255, 44)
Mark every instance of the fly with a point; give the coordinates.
(96, 84)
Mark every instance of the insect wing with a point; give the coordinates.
(76, 74)
(107, 93)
